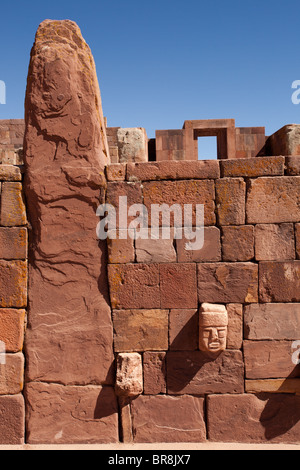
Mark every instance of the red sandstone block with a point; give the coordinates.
(250, 418)
(155, 250)
(227, 282)
(230, 200)
(274, 242)
(178, 285)
(182, 192)
(292, 166)
(273, 200)
(13, 284)
(116, 172)
(58, 414)
(12, 326)
(191, 372)
(140, 330)
(13, 243)
(12, 422)
(163, 418)
(13, 212)
(211, 250)
(183, 329)
(173, 170)
(238, 243)
(279, 281)
(297, 234)
(134, 286)
(269, 359)
(235, 326)
(154, 373)
(133, 193)
(121, 250)
(10, 173)
(253, 167)
(12, 374)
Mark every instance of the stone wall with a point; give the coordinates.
(13, 303)
(249, 263)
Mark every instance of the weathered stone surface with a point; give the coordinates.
(129, 377)
(12, 420)
(211, 250)
(116, 172)
(173, 170)
(193, 372)
(132, 144)
(13, 284)
(154, 372)
(250, 418)
(235, 326)
(286, 141)
(297, 234)
(238, 243)
(274, 242)
(269, 359)
(178, 285)
(253, 167)
(140, 330)
(58, 414)
(133, 193)
(163, 418)
(182, 192)
(134, 285)
(230, 201)
(292, 166)
(12, 326)
(69, 335)
(279, 281)
(272, 321)
(227, 282)
(273, 386)
(13, 211)
(183, 329)
(12, 374)
(155, 251)
(121, 250)
(273, 200)
(10, 173)
(13, 243)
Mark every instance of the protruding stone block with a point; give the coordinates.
(132, 145)
(129, 378)
(213, 323)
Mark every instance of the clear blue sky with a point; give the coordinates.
(162, 62)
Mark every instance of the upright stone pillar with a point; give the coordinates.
(69, 352)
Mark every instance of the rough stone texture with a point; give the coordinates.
(120, 250)
(273, 386)
(178, 285)
(13, 212)
(173, 170)
(227, 282)
(65, 151)
(13, 284)
(292, 166)
(211, 250)
(183, 329)
(272, 321)
(273, 200)
(230, 201)
(134, 286)
(286, 141)
(253, 167)
(250, 418)
(10, 173)
(274, 242)
(155, 251)
(235, 326)
(132, 144)
(12, 326)
(129, 376)
(116, 172)
(12, 419)
(58, 414)
(132, 191)
(140, 330)
(279, 281)
(13, 243)
(12, 374)
(297, 234)
(238, 243)
(163, 418)
(182, 192)
(269, 359)
(154, 373)
(193, 372)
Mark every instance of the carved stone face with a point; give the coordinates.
(213, 323)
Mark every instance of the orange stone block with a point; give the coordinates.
(13, 284)
(12, 324)
(13, 212)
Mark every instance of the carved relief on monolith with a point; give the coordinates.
(213, 323)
